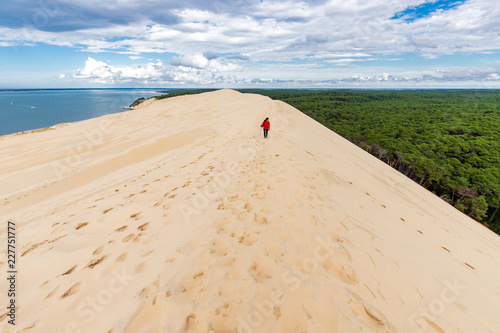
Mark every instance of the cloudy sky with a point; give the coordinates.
(250, 43)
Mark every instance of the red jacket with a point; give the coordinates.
(266, 125)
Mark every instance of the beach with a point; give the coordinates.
(178, 216)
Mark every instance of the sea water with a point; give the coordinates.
(24, 110)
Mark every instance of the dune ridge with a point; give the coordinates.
(178, 216)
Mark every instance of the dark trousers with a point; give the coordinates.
(265, 132)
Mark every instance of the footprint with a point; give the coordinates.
(143, 227)
(259, 273)
(147, 291)
(138, 237)
(121, 229)
(434, 325)
(466, 264)
(145, 254)
(190, 321)
(98, 250)
(135, 216)
(370, 316)
(140, 268)
(261, 219)
(56, 239)
(220, 247)
(128, 238)
(247, 239)
(33, 247)
(81, 225)
(71, 291)
(343, 272)
(27, 329)
(69, 271)
(96, 262)
(122, 257)
(52, 293)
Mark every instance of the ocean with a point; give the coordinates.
(24, 110)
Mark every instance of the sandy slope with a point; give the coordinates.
(180, 217)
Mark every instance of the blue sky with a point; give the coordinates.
(250, 43)
(427, 8)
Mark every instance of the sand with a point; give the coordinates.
(179, 216)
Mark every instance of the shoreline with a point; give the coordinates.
(54, 106)
(174, 90)
(122, 109)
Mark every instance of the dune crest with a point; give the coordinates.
(180, 217)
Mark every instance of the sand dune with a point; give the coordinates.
(179, 217)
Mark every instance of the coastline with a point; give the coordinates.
(28, 110)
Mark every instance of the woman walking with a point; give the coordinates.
(266, 125)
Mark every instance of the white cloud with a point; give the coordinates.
(210, 55)
(200, 61)
(341, 35)
(237, 57)
(286, 75)
(347, 60)
(196, 61)
(95, 69)
(328, 55)
(265, 30)
(154, 73)
(99, 71)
